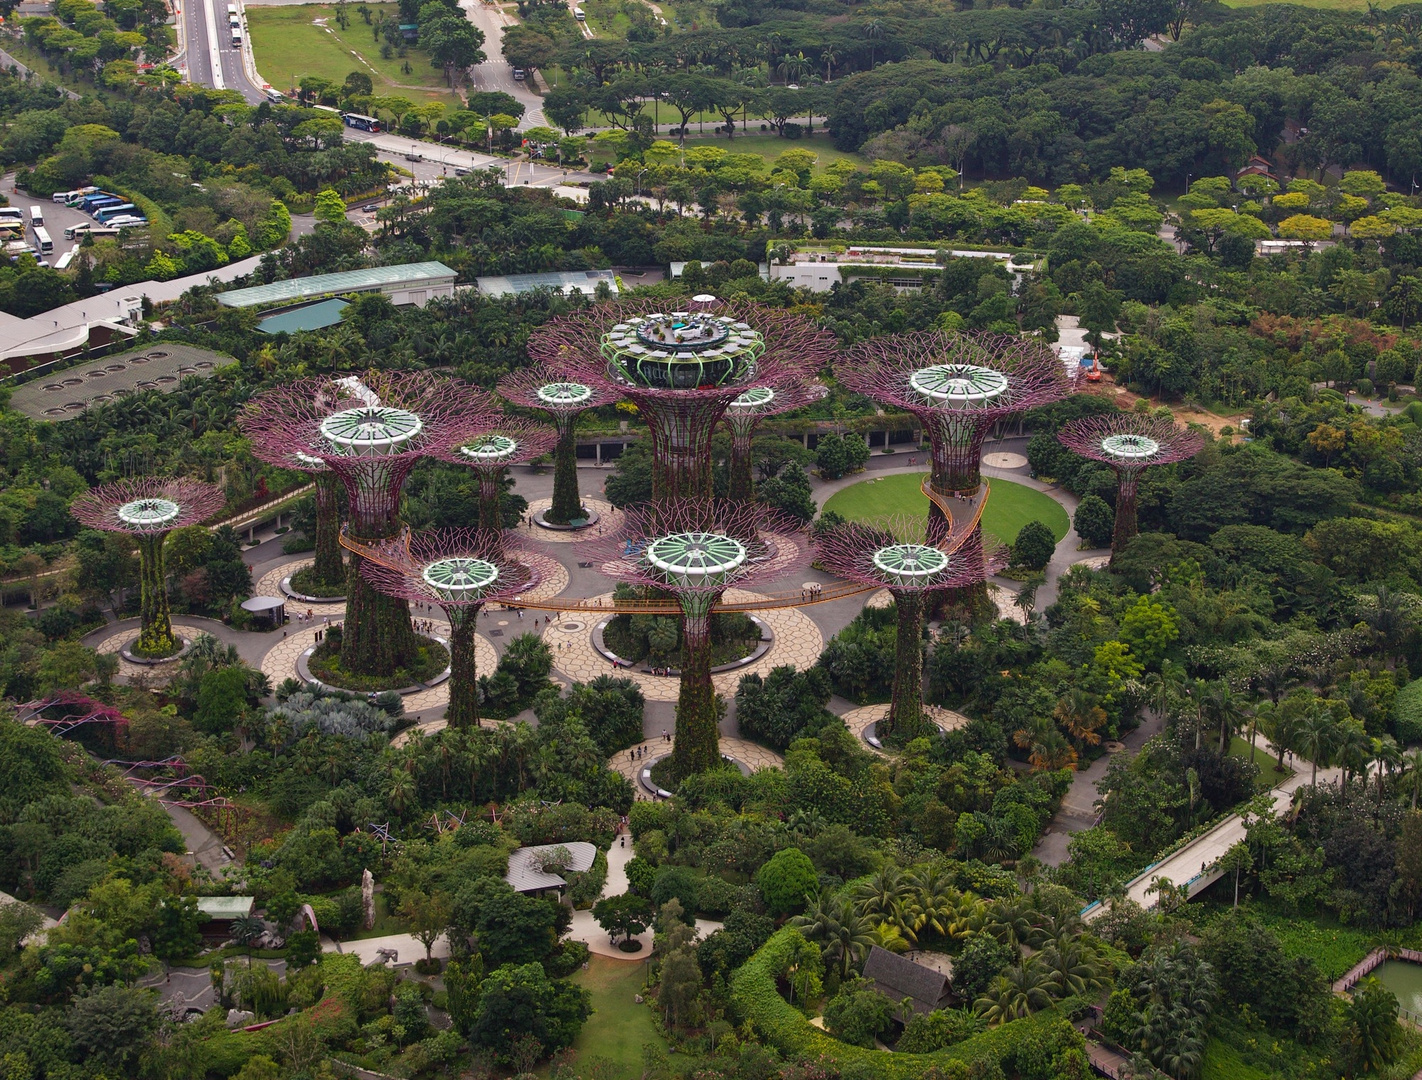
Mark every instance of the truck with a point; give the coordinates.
(236, 36)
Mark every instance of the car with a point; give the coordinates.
(459, 170)
(520, 74)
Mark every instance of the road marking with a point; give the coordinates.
(218, 83)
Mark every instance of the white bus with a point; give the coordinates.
(42, 241)
(62, 263)
(72, 196)
(236, 37)
(83, 229)
(36, 216)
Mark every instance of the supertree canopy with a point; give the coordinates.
(563, 399)
(370, 433)
(1130, 444)
(461, 570)
(743, 416)
(682, 369)
(490, 453)
(329, 568)
(149, 509)
(695, 552)
(957, 386)
(912, 557)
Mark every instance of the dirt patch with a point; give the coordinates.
(1186, 414)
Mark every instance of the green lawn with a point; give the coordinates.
(288, 43)
(1009, 506)
(1268, 777)
(619, 1027)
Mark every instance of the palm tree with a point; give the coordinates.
(1012, 922)
(883, 897)
(1080, 716)
(1388, 757)
(1317, 735)
(1026, 599)
(792, 67)
(1412, 776)
(873, 30)
(1166, 686)
(1353, 750)
(247, 929)
(1226, 709)
(1018, 992)
(1071, 965)
(828, 57)
(843, 935)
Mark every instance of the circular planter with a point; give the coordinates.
(763, 646)
(303, 672)
(147, 661)
(289, 591)
(869, 733)
(644, 774)
(591, 520)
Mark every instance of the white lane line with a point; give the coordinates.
(214, 55)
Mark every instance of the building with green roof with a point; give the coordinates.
(409, 283)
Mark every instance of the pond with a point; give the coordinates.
(1404, 979)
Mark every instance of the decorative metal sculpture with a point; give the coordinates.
(912, 558)
(370, 432)
(149, 509)
(461, 570)
(743, 416)
(564, 400)
(696, 551)
(490, 453)
(1130, 444)
(682, 369)
(957, 386)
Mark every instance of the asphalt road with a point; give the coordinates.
(57, 216)
(212, 59)
(496, 73)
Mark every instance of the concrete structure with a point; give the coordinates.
(66, 392)
(224, 908)
(819, 269)
(409, 283)
(568, 281)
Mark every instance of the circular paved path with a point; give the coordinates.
(116, 642)
(797, 641)
(856, 720)
(752, 755)
(609, 520)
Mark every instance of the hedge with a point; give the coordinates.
(1407, 713)
(1023, 1048)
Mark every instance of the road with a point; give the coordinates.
(212, 60)
(496, 73)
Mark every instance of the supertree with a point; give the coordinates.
(461, 570)
(489, 453)
(912, 557)
(695, 552)
(682, 369)
(148, 509)
(370, 433)
(743, 416)
(1130, 444)
(537, 387)
(957, 386)
(329, 568)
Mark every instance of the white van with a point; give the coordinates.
(37, 216)
(580, 14)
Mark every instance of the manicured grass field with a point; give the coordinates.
(288, 43)
(619, 1027)
(1009, 507)
(1268, 777)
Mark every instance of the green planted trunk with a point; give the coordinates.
(741, 488)
(567, 502)
(463, 711)
(906, 720)
(697, 738)
(377, 638)
(491, 489)
(155, 635)
(329, 568)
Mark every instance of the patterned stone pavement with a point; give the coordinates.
(280, 661)
(609, 520)
(752, 755)
(1006, 609)
(431, 727)
(797, 641)
(552, 575)
(1005, 460)
(165, 670)
(859, 719)
(881, 599)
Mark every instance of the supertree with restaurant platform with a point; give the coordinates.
(370, 432)
(504, 442)
(461, 570)
(564, 400)
(695, 551)
(1130, 444)
(913, 557)
(148, 509)
(682, 369)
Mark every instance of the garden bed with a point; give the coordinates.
(431, 661)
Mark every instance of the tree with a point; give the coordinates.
(981, 961)
(623, 916)
(428, 915)
(221, 700)
(1034, 546)
(838, 454)
(515, 929)
(789, 493)
(787, 880)
(520, 1001)
(330, 207)
(17, 922)
(1094, 521)
(1373, 1033)
(859, 1013)
(1305, 227)
(113, 1026)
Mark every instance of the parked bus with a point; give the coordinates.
(108, 213)
(42, 240)
(128, 222)
(98, 201)
(62, 263)
(72, 196)
(12, 213)
(37, 215)
(85, 228)
(361, 123)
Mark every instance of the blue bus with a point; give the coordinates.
(94, 203)
(108, 213)
(361, 123)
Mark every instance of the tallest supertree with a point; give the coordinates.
(370, 433)
(682, 369)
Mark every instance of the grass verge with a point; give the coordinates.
(1010, 506)
(618, 1028)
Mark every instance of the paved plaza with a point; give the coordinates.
(164, 669)
(609, 520)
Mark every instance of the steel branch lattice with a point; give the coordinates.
(397, 566)
(957, 386)
(79, 711)
(147, 506)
